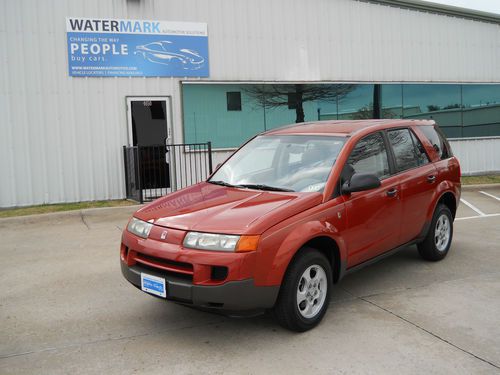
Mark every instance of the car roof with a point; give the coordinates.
(343, 128)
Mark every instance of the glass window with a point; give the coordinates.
(437, 140)
(444, 144)
(357, 104)
(481, 110)
(404, 151)
(392, 101)
(370, 156)
(419, 149)
(289, 162)
(233, 101)
(440, 102)
(229, 114)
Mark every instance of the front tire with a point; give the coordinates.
(438, 240)
(305, 292)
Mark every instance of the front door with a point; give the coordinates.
(149, 130)
(373, 216)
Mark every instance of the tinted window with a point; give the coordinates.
(441, 102)
(437, 141)
(233, 101)
(419, 149)
(481, 108)
(370, 156)
(403, 148)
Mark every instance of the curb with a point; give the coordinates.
(480, 186)
(58, 216)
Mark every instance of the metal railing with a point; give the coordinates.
(154, 171)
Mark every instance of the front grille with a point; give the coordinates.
(165, 266)
(161, 273)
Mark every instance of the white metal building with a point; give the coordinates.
(61, 136)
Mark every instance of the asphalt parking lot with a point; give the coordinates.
(65, 308)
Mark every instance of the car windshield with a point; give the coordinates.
(281, 163)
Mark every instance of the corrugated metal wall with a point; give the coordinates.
(61, 137)
(477, 155)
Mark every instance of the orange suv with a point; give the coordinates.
(291, 212)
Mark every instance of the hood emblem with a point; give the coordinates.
(163, 234)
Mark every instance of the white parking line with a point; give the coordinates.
(481, 213)
(476, 217)
(490, 195)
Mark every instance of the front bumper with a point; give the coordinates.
(208, 279)
(238, 295)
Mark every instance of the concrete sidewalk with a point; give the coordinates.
(65, 308)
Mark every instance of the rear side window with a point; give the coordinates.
(369, 156)
(404, 150)
(438, 140)
(419, 149)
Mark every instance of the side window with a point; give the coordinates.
(419, 149)
(404, 151)
(438, 141)
(369, 156)
(444, 142)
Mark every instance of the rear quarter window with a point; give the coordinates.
(437, 140)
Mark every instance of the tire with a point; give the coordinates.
(308, 277)
(438, 240)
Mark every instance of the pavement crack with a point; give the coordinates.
(442, 339)
(82, 217)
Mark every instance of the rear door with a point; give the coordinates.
(373, 216)
(417, 177)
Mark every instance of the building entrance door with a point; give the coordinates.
(149, 130)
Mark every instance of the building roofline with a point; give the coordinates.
(428, 6)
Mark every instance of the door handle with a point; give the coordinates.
(431, 179)
(392, 192)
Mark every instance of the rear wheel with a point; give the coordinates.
(438, 239)
(305, 292)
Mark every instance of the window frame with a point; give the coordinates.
(235, 109)
(393, 155)
(442, 139)
(390, 161)
(415, 137)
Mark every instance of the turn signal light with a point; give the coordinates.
(247, 243)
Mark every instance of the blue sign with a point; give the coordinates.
(109, 48)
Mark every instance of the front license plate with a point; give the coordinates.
(153, 284)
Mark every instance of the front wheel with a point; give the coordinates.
(305, 292)
(438, 240)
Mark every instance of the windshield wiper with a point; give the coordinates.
(264, 187)
(223, 183)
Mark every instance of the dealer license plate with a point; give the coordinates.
(153, 284)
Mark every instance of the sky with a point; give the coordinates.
(492, 6)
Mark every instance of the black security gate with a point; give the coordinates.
(153, 171)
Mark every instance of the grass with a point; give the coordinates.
(46, 208)
(480, 180)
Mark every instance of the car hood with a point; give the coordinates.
(207, 207)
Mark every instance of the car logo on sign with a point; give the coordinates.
(164, 235)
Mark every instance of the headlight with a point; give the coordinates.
(139, 228)
(220, 242)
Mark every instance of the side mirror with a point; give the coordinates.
(361, 182)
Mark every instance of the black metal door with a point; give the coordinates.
(149, 132)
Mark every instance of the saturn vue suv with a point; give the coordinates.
(291, 212)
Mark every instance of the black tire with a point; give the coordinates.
(286, 309)
(432, 248)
